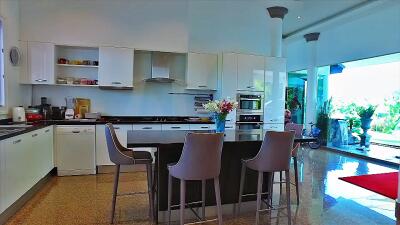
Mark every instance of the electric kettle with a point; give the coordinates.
(18, 114)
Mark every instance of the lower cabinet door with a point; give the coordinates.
(17, 175)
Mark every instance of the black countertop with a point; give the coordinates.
(103, 120)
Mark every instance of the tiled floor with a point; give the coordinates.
(324, 198)
(375, 152)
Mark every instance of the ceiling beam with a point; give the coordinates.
(333, 19)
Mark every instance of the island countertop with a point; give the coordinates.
(151, 138)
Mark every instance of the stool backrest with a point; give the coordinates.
(275, 152)
(201, 157)
(297, 128)
(115, 148)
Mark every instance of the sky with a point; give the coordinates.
(365, 84)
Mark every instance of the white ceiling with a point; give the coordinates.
(312, 11)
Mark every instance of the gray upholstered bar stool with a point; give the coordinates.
(296, 173)
(200, 161)
(123, 156)
(274, 156)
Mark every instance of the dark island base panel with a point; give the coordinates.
(232, 154)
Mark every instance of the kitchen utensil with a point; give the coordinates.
(82, 106)
(69, 112)
(56, 113)
(18, 114)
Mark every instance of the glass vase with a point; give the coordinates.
(220, 120)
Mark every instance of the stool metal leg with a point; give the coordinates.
(280, 183)
(169, 197)
(296, 179)
(114, 200)
(182, 207)
(259, 191)
(203, 199)
(218, 200)
(149, 169)
(289, 213)
(271, 187)
(242, 180)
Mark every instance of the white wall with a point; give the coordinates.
(151, 24)
(15, 94)
(173, 25)
(229, 26)
(368, 35)
(147, 99)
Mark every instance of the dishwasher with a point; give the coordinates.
(75, 150)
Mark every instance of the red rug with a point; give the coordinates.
(385, 183)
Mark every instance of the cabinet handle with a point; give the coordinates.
(147, 128)
(116, 82)
(41, 80)
(76, 131)
(251, 87)
(17, 141)
(34, 135)
(116, 128)
(228, 127)
(47, 131)
(204, 127)
(202, 86)
(175, 127)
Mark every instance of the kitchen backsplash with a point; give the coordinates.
(146, 99)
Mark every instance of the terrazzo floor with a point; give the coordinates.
(324, 199)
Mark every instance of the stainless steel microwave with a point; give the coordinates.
(250, 103)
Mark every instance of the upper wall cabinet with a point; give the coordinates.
(202, 71)
(40, 63)
(250, 72)
(116, 67)
(275, 87)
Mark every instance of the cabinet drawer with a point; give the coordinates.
(202, 126)
(146, 126)
(273, 127)
(229, 126)
(175, 126)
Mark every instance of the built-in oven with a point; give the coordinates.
(250, 103)
(249, 126)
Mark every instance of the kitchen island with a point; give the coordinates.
(169, 148)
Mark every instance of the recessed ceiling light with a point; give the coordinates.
(298, 17)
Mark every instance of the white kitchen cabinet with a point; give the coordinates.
(229, 81)
(275, 87)
(41, 61)
(202, 127)
(102, 156)
(175, 127)
(47, 140)
(116, 67)
(273, 127)
(146, 127)
(250, 72)
(202, 71)
(17, 175)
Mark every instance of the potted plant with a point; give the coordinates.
(220, 110)
(365, 113)
(323, 117)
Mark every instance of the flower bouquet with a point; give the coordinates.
(220, 109)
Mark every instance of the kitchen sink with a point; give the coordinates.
(14, 128)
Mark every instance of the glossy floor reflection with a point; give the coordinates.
(324, 198)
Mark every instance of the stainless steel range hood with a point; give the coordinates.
(160, 68)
